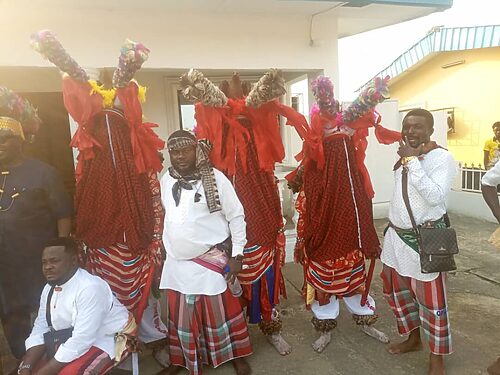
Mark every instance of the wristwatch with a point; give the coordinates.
(405, 160)
(23, 366)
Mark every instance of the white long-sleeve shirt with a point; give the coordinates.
(429, 182)
(492, 177)
(191, 230)
(86, 303)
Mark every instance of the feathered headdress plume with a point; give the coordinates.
(46, 43)
(269, 87)
(196, 87)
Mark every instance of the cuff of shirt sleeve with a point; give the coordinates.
(33, 341)
(413, 163)
(237, 250)
(487, 181)
(65, 355)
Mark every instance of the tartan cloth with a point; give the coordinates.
(417, 304)
(95, 361)
(205, 330)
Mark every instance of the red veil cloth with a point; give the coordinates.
(116, 213)
(335, 229)
(338, 188)
(246, 146)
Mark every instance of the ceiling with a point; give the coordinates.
(354, 16)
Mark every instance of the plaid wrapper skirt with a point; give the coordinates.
(417, 304)
(206, 330)
(95, 361)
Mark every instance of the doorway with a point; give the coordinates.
(52, 142)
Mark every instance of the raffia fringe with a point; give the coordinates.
(365, 320)
(272, 326)
(324, 325)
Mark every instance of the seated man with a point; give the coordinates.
(82, 306)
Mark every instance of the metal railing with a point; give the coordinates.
(471, 177)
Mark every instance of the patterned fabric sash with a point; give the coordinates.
(216, 258)
(409, 237)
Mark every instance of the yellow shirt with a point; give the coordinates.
(492, 147)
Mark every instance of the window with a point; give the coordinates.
(186, 112)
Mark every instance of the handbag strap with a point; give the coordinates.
(47, 309)
(406, 199)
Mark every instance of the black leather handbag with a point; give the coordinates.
(437, 246)
(53, 339)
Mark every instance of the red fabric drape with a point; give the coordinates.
(338, 213)
(221, 126)
(84, 106)
(313, 148)
(113, 202)
(145, 142)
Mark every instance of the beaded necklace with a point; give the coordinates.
(2, 191)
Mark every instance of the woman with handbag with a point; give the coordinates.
(418, 246)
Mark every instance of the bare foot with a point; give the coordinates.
(279, 343)
(241, 366)
(375, 333)
(411, 344)
(162, 357)
(322, 342)
(436, 365)
(494, 369)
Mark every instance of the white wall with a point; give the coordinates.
(177, 40)
(380, 159)
(469, 204)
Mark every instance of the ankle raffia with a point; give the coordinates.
(324, 325)
(365, 320)
(270, 327)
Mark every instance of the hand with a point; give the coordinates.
(51, 368)
(235, 267)
(405, 150)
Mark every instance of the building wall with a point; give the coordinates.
(471, 88)
(214, 40)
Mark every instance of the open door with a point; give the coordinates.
(51, 144)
